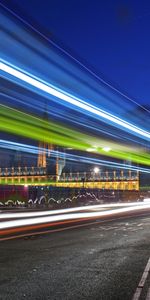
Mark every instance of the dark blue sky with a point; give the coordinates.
(111, 37)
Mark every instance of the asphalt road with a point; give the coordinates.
(97, 262)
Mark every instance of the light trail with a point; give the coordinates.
(68, 210)
(51, 90)
(72, 157)
(72, 57)
(20, 123)
(59, 114)
(48, 231)
(17, 122)
(71, 216)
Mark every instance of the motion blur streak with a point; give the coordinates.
(68, 210)
(96, 76)
(35, 227)
(38, 83)
(71, 216)
(72, 157)
(17, 122)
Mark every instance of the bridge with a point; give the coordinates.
(117, 180)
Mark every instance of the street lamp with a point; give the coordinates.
(96, 170)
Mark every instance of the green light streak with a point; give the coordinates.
(25, 125)
(141, 159)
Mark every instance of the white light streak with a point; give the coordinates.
(32, 80)
(147, 200)
(106, 149)
(33, 149)
(71, 216)
(66, 210)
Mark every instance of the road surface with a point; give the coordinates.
(98, 262)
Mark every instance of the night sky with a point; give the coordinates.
(110, 37)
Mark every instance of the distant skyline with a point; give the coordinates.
(110, 37)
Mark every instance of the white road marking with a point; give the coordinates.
(137, 294)
(148, 294)
(138, 291)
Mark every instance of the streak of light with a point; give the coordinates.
(72, 57)
(72, 157)
(146, 200)
(73, 120)
(17, 122)
(48, 219)
(15, 231)
(68, 210)
(51, 90)
(107, 149)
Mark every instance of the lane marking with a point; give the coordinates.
(71, 227)
(139, 289)
(137, 294)
(148, 294)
